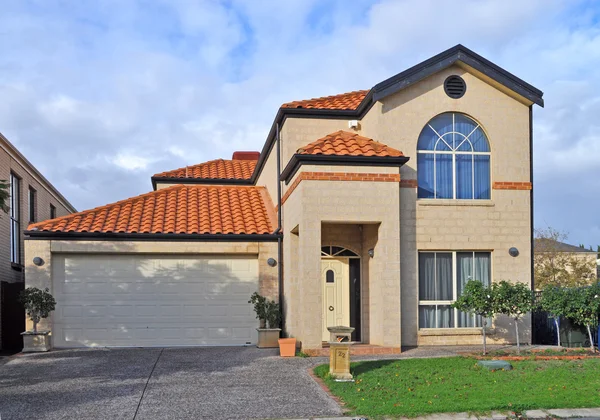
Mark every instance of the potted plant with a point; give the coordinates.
(38, 305)
(268, 315)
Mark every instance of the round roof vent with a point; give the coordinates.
(455, 87)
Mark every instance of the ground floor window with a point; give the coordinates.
(442, 277)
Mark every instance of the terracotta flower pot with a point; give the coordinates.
(287, 347)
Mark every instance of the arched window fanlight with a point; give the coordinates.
(453, 159)
(337, 251)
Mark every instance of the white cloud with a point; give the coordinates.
(102, 96)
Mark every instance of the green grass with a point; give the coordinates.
(416, 387)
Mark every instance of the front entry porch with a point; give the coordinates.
(357, 284)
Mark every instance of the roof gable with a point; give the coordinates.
(344, 143)
(178, 210)
(456, 54)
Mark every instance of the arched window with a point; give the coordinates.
(453, 159)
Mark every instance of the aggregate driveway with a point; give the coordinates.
(215, 382)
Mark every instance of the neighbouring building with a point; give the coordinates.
(32, 199)
(565, 262)
(371, 209)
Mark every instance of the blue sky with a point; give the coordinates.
(101, 95)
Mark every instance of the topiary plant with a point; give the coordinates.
(260, 308)
(477, 299)
(38, 304)
(273, 314)
(514, 301)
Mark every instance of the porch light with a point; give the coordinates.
(271, 262)
(371, 252)
(513, 252)
(38, 261)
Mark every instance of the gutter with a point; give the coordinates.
(123, 236)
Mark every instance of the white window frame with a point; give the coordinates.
(15, 219)
(454, 152)
(454, 286)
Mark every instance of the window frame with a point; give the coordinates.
(454, 286)
(32, 204)
(454, 153)
(15, 218)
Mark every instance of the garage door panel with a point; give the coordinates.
(153, 301)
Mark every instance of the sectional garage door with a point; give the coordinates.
(148, 300)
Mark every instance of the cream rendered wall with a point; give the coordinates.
(494, 225)
(41, 277)
(268, 176)
(298, 132)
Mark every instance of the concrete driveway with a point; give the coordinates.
(215, 382)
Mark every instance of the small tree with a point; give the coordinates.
(584, 308)
(477, 299)
(38, 304)
(555, 267)
(513, 300)
(555, 301)
(4, 195)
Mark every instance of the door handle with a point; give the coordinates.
(331, 308)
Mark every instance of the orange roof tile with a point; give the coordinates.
(343, 143)
(180, 209)
(214, 169)
(346, 101)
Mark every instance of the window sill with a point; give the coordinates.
(428, 332)
(450, 202)
(16, 267)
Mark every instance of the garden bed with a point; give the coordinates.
(414, 387)
(547, 354)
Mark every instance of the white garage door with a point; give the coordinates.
(143, 300)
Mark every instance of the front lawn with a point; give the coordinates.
(414, 387)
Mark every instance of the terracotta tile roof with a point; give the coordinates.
(348, 144)
(346, 101)
(181, 209)
(214, 169)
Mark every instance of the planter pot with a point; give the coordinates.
(287, 347)
(36, 341)
(267, 337)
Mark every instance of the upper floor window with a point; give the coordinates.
(32, 205)
(453, 159)
(52, 212)
(15, 219)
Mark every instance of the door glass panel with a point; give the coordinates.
(330, 276)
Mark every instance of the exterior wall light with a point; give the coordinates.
(271, 262)
(513, 252)
(371, 252)
(38, 261)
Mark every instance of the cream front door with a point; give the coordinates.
(336, 294)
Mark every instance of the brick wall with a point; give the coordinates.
(10, 163)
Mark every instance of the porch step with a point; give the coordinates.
(355, 350)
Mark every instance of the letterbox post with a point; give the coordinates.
(339, 353)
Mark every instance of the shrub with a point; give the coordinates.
(513, 300)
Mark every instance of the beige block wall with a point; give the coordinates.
(41, 277)
(315, 204)
(492, 225)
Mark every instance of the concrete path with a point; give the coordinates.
(216, 383)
